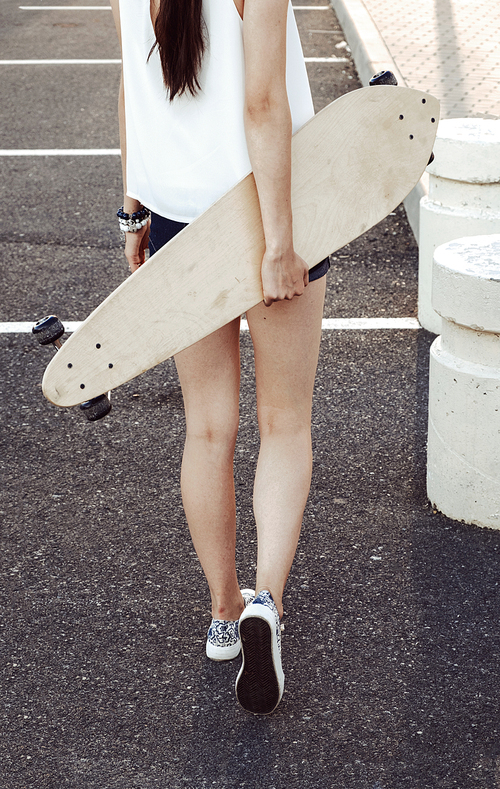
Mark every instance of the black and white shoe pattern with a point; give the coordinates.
(260, 682)
(223, 639)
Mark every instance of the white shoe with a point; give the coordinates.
(260, 682)
(223, 639)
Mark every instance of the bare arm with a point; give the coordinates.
(135, 243)
(269, 130)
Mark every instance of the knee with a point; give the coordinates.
(288, 422)
(216, 432)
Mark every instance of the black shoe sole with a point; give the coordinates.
(257, 688)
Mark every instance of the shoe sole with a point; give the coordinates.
(257, 686)
(223, 653)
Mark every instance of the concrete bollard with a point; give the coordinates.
(463, 451)
(463, 199)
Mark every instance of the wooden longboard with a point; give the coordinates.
(352, 164)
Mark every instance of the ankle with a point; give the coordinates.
(277, 599)
(228, 610)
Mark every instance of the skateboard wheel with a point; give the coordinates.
(383, 78)
(97, 408)
(48, 330)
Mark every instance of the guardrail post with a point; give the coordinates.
(463, 199)
(463, 452)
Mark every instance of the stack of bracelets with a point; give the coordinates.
(131, 223)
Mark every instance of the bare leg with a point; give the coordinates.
(209, 372)
(286, 339)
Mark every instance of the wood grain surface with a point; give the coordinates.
(352, 164)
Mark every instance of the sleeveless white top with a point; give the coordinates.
(183, 155)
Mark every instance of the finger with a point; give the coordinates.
(134, 255)
(298, 292)
(134, 262)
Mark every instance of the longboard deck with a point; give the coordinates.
(352, 164)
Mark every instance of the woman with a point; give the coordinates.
(211, 89)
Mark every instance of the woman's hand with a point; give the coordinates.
(135, 247)
(283, 276)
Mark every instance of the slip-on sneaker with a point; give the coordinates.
(260, 682)
(223, 639)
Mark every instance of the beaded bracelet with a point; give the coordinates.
(131, 223)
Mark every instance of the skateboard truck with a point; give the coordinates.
(383, 78)
(387, 78)
(50, 330)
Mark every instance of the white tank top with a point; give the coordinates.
(183, 155)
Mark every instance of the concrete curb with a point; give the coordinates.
(370, 56)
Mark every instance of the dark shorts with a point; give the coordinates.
(162, 230)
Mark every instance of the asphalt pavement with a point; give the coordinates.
(391, 648)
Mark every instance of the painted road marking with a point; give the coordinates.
(65, 7)
(328, 324)
(80, 62)
(88, 62)
(108, 8)
(60, 152)
(24, 327)
(326, 60)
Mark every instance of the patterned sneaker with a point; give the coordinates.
(259, 684)
(223, 640)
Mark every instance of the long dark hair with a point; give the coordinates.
(181, 40)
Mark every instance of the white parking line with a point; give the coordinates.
(326, 60)
(24, 327)
(337, 324)
(80, 62)
(60, 152)
(328, 324)
(108, 8)
(65, 7)
(88, 62)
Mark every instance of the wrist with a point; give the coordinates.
(131, 205)
(279, 248)
(278, 234)
(133, 222)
